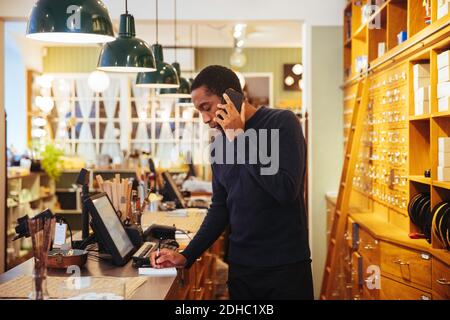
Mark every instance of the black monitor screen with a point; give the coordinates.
(113, 225)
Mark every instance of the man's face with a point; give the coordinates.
(206, 103)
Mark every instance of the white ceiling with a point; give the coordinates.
(314, 12)
(264, 34)
(209, 23)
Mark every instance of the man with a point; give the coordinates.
(268, 253)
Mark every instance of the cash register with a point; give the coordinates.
(113, 238)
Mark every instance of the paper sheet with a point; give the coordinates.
(167, 272)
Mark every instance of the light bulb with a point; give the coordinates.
(44, 81)
(238, 59)
(38, 133)
(188, 114)
(289, 81)
(39, 122)
(46, 104)
(98, 81)
(298, 69)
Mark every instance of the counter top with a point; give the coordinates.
(155, 288)
(388, 232)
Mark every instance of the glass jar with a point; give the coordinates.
(39, 284)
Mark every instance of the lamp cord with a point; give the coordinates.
(175, 28)
(156, 21)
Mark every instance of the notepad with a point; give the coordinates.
(167, 272)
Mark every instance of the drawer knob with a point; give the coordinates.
(402, 263)
(443, 282)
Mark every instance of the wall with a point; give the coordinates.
(71, 59)
(258, 60)
(325, 144)
(84, 59)
(2, 154)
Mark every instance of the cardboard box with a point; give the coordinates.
(422, 107)
(421, 70)
(443, 89)
(381, 49)
(444, 159)
(443, 60)
(443, 174)
(421, 82)
(444, 144)
(422, 94)
(444, 104)
(443, 9)
(444, 75)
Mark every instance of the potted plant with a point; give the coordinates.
(51, 161)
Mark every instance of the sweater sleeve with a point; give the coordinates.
(285, 183)
(213, 225)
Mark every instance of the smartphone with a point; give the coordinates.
(236, 97)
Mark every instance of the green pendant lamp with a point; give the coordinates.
(126, 53)
(70, 21)
(184, 91)
(165, 76)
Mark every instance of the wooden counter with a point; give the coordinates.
(155, 288)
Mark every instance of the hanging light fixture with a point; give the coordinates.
(165, 76)
(70, 21)
(184, 91)
(126, 53)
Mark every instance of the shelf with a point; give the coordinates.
(421, 117)
(388, 232)
(427, 37)
(420, 179)
(371, 18)
(442, 184)
(361, 33)
(441, 114)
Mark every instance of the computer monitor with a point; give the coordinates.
(172, 190)
(109, 230)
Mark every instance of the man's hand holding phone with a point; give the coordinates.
(228, 117)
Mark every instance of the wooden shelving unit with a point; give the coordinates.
(400, 145)
(27, 194)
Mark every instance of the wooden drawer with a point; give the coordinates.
(352, 235)
(356, 276)
(393, 290)
(440, 280)
(369, 247)
(370, 278)
(413, 267)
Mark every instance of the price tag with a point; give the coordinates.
(60, 234)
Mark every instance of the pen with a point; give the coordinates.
(157, 251)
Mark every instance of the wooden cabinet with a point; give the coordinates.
(412, 267)
(393, 290)
(197, 282)
(369, 247)
(440, 280)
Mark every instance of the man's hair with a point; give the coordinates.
(216, 79)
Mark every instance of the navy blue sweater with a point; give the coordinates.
(266, 213)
